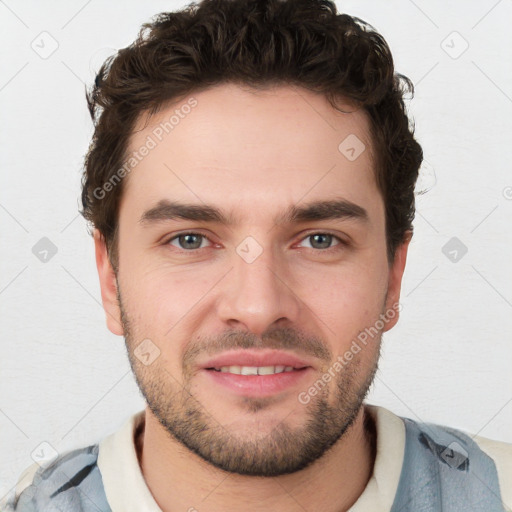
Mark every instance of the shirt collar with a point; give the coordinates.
(127, 491)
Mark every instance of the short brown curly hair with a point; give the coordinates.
(258, 43)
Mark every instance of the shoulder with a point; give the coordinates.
(501, 453)
(451, 445)
(60, 483)
(447, 445)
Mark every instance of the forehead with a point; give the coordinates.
(251, 148)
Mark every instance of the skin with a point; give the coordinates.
(235, 150)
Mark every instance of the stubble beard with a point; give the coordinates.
(284, 450)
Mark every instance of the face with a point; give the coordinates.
(252, 255)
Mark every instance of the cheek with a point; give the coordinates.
(162, 299)
(346, 299)
(170, 303)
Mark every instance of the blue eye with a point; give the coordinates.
(191, 241)
(188, 241)
(323, 240)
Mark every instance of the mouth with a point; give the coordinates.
(256, 373)
(255, 370)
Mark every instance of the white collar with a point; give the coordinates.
(126, 489)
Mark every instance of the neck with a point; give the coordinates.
(180, 480)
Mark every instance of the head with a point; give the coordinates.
(251, 186)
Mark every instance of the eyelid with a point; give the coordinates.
(168, 240)
(303, 236)
(311, 232)
(342, 243)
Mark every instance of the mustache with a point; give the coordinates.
(281, 338)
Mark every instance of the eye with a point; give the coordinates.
(188, 241)
(191, 241)
(323, 241)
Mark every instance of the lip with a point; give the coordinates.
(257, 385)
(256, 358)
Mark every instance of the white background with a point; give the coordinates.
(65, 378)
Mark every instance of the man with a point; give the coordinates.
(251, 186)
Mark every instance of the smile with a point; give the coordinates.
(254, 370)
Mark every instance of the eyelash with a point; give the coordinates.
(342, 243)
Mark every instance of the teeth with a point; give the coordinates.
(254, 370)
(249, 370)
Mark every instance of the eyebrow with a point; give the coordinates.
(166, 210)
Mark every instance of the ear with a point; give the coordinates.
(396, 272)
(108, 285)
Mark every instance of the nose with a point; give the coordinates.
(257, 294)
